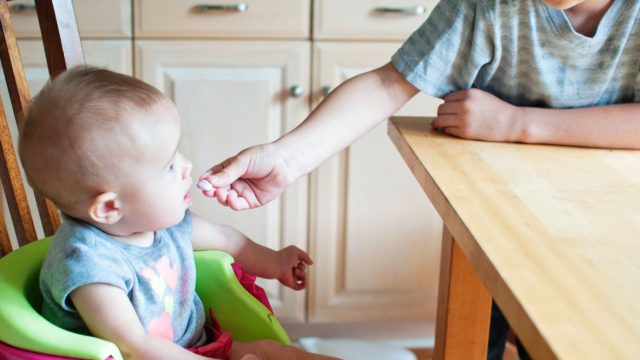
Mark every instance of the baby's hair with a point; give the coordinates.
(68, 141)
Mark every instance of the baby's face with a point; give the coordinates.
(155, 191)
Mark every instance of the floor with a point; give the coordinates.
(422, 354)
(510, 353)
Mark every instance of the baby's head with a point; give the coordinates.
(103, 147)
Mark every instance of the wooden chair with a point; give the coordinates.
(63, 50)
(24, 334)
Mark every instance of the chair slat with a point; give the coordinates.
(12, 184)
(5, 242)
(63, 50)
(9, 169)
(20, 99)
(60, 35)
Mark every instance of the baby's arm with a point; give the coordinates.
(109, 315)
(476, 114)
(287, 265)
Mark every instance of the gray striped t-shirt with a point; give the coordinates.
(526, 53)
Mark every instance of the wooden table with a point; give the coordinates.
(552, 233)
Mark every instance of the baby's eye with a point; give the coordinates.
(171, 167)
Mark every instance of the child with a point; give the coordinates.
(563, 72)
(103, 147)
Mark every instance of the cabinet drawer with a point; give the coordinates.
(369, 19)
(96, 18)
(288, 19)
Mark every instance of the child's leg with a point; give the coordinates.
(498, 332)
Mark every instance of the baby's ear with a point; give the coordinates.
(105, 208)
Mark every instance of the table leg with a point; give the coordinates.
(464, 307)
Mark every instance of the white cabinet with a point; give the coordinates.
(231, 95)
(374, 235)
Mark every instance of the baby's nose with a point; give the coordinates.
(188, 166)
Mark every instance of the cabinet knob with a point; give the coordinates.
(239, 7)
(325, 90)
(296, 91)
(409, 10)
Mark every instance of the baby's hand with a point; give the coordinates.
(293, 267)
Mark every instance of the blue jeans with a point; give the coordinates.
(498, 333)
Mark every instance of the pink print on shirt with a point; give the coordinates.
(164, 276)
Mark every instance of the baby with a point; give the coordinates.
(104, 148)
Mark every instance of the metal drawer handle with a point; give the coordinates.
(325, 90)
(22, 7)
(240, 7)
(411, 10)
(296, 91)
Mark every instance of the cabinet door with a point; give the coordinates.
(112, 54)
(231, 95)
(374, 234)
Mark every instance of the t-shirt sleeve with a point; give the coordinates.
(77, 263)
(447, 51)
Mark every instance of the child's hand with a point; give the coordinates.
(479, 115)
(248, 180)
(293, 267)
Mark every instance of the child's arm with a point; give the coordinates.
(259, 174)
(476, 114)
(287, 265)
(109, 315)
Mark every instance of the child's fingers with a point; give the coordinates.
(304, 257)
(247, 192)
(221, 195)
(449, 108)
(207, 174)
(228, 171)
(235, 202)
(204, 185)
(457, 95)
(301, 284)
(209, 193)
(300, 271)
(443, 121)
(454, 131)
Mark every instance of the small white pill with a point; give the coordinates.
(204, 185)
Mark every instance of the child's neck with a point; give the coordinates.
(139, 239)
(586, 16)
(142, 239)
